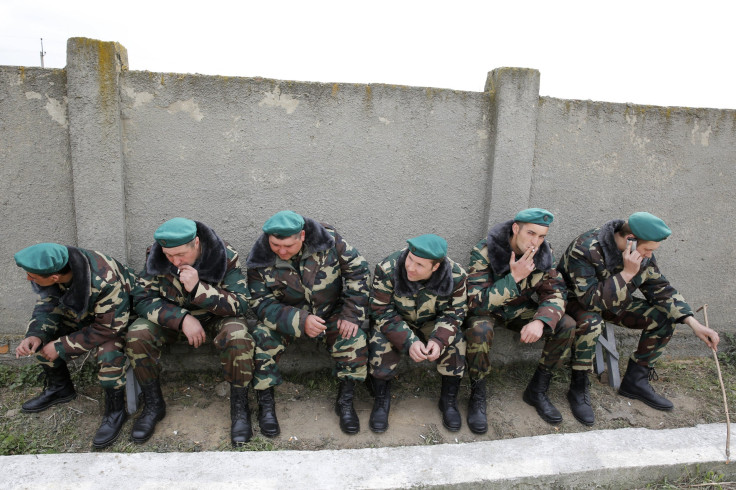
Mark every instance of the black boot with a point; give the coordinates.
(636, 385)
(153, 411)
(349, 422)
(579, 397)
(58, 388)
(451, 418)
(267, 420)
(240, 429)
(113, 420)
(536, 396)
(381, 405)
(477, 421)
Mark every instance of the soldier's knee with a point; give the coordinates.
(479, 327)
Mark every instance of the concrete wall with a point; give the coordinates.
(382, 163)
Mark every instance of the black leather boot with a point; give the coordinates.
(636, 385)
(536, 396)
(477, 421)
(153, 411)
(267, 420)
(451, 418)
(58, 388)
(113, 420)
(579, 397)
(381, 405)
(240, 428)
(349, 422)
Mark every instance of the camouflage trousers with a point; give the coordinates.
(110, 358)
(479, 334)
(384, 356)
(656, 326)
(350, 355)
(145, 340)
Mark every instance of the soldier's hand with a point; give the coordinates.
(314, 326)
(434, 349)
(417, 351)
(189, 277)
(49, 352)
(706, 334)
(194, 331)
(632, 262)
(532, 331)
(28, 346)
(520, 269)
(347, 329)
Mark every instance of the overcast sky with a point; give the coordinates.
(667, 53)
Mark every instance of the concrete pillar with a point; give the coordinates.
(93, 88)
(514, 120)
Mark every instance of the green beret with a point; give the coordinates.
(283, 224)
(648, 227)
(428, 247)
(537, 216)
(175, 232)
(43, 258)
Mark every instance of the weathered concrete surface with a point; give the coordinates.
(622, 458)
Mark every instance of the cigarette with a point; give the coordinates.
(178, 272)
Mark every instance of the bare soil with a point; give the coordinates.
(198, 411)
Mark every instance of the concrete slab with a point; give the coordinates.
(623, 458)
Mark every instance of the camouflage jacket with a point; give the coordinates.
(592, 266)
(400, 306)
(329, 278)
(221, 292)
(98, 302)
(493, 291)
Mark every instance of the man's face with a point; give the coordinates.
(418, 268)
(646, 248)
(287, 247)
(41, 280)
(526, 236)
(186, 254)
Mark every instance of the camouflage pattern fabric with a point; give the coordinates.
(93, 312)
(403, 312)
(591, 268)
(219, 302)
(329, 279)
(494, 298)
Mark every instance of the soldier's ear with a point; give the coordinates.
(515, 228)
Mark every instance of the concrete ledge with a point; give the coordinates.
(621, 458)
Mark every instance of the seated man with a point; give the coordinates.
(524, 294)
(304, 279)
(603, 268)
(418, 303)
(192, 284)
(85, 304)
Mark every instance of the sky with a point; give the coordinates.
(664, 53)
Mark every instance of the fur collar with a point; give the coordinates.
(76, 297)
(316, 239)
(439, 283)
(499, 250)
(611, 254)
(211, 266)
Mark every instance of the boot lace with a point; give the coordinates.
(653, 376)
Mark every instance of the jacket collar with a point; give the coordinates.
(499, 250)
(316, 239)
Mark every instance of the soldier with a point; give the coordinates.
(85, 304)
(304, 279)
(193, 284)
(418, 303)
(525, 295)
(603, 268)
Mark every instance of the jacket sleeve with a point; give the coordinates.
(596, 295)
(658, 290)
(45, 320)
(355, 275)
(271, 312)
(386, 319)
(151, 305)
(449, 321)
(485, 296)
(552, 294)
(228, 298)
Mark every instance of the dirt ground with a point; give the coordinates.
(198, 411)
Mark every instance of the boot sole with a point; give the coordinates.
(645, 401)
(378, 431)
(479, 432)
(55, 402)
(541, 415)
